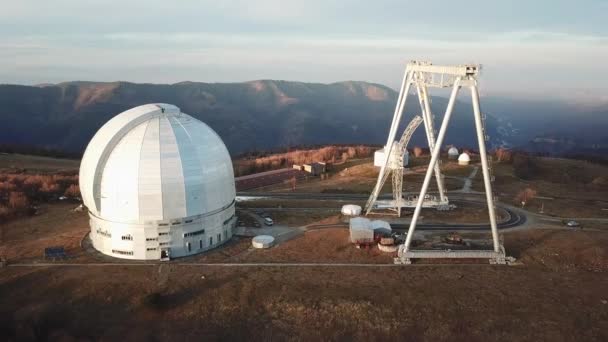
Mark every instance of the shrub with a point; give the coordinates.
(72, 191)
(18, 200)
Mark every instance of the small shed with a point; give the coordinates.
(361, 230)
(381, 227)
(315, 168)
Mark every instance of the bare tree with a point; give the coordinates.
(525, 196)
(344, 157)
(73, 191)
(17, 200)
(504, 155)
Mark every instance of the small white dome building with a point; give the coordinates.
(351, 210)
(453, 153)
(464, 159)
(157, 183)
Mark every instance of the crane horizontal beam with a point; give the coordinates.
(456, 70)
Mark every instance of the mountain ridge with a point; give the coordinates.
(258, 114)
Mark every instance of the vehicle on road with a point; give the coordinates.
(268, 221)
(573, 224)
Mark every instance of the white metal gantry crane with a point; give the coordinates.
(424, 75)
(393, 151)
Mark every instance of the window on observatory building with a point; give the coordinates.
(200, 244)
(225, 234)
(211, 241)
(219, 237)
(228, 220)
(194, 233)
(127, 237)
(151, 248)
(189, 246)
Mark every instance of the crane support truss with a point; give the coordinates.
(424, 75)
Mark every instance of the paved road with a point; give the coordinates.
(238, 265)
(516, 217)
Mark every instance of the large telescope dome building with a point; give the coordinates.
(157, 183)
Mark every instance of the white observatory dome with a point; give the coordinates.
(453, 152)
(464, 159)
(157, 183)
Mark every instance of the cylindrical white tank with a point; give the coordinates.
(157, 183)
(351, 210)
(262, 241)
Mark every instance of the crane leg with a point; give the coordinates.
(425, 107)
(405, 89)
(429, 171)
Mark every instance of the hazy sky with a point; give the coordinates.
(526, 47)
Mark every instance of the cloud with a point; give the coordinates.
(322, 41)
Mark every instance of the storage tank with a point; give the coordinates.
(157, 183)
(351, 210)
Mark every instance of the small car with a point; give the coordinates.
(268, 221)
(573, 224)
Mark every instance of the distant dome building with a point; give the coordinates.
(453, 153)
(158, 183)
(464, 159)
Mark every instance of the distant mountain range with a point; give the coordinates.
(266, 115)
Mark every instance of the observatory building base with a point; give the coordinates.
(495, 258)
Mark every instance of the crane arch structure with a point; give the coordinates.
(425, 75)
(394, 166)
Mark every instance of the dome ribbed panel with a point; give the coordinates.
(150, 201)
(172, 175)
(216, 166)
(118, 191)
(196, 201)
(102, 145)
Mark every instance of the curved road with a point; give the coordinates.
(516, 217)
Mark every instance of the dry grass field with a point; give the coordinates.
(359, 177)
(36, 163)
(565, 188)
(558, 294)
